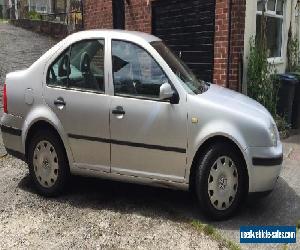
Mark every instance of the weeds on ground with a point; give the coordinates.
(215, 235)
(3, 20)
(285, 247)
(283, 126)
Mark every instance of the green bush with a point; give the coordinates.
(292, 53)
(283, 126)
(33, 15)
(262, 83)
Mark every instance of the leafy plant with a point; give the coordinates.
(292, 53)
(262, 83)
(215, 235)
(33, 15)
(282, 125)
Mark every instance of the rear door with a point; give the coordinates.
(75, 91)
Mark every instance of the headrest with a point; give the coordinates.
(85, 63)
(64, 66)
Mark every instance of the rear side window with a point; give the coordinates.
(59, 71)
(80, 67)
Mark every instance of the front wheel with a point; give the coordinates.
(48, 164)
(221, 181)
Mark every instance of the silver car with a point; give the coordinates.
(120, 105)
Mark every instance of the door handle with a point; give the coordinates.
(118, 111)
(60, 101)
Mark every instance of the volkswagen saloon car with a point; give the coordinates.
(121, 105)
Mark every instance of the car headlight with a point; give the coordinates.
(273, 134)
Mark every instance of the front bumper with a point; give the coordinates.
(264, 167)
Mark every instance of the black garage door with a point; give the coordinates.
(188, 26)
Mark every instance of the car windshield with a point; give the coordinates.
(187, 78)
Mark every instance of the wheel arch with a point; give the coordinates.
(42, 117)
(205, 145)
(36, 126)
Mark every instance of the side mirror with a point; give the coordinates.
(167, 93)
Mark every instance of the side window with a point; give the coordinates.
(59, 71)
(135, 72)
(80, 67)
(87, 65)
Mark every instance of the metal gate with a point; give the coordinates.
(188, 26)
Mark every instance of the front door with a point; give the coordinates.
(75, 91)
(148, 136)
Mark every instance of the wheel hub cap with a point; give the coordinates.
(222, 183)
(45, 163)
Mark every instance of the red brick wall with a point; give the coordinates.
(97, 14)
(138, 15)
(221, 42)
(237, 45)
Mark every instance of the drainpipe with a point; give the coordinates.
(229, 41)
(82, 15)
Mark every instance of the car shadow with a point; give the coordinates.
(281, 207)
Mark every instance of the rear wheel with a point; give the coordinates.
(220, 181)
(48, 164)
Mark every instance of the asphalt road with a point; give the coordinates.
(19, 49)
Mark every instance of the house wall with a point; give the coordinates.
(138, 15)
(250, 31)
(98, 14)
(221, 42)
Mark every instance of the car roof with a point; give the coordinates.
(116, 34)
(133, 36)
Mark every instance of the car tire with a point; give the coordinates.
(48, 164)
(220, 181)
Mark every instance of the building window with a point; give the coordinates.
(274, 10)
(40, 6)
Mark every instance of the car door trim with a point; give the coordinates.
(127, 143)
(149, 146)
(89, 138)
